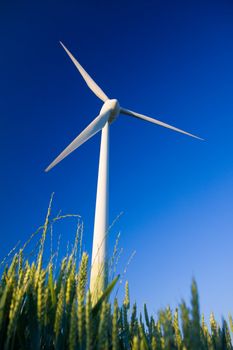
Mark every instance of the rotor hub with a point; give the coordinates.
(114, 108)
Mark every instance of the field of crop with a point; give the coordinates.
(41, 309)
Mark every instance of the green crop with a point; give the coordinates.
(41, 309)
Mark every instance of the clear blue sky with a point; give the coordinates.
(171, 60)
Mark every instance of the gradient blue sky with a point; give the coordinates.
(171, 60)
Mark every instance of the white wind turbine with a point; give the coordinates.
(108, 114)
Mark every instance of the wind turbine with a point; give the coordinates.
(108, 114)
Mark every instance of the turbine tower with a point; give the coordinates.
(108, 113)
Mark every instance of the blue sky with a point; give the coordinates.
(169, 60)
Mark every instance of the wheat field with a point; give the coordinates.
(41, 308)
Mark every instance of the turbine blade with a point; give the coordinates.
(96, 125)
(158, 122)
(89, 81)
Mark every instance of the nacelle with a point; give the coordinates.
(114, 108)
